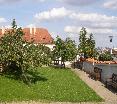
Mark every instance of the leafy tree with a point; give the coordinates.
(86, 45)
(105, 57)
(59, 49)
(17, 55)
(90, 46)
(83, 41)
(71, 49)
(66, 50)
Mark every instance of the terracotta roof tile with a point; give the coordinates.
(39, 35)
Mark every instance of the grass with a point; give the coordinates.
(52, 85)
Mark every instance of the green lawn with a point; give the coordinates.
(52, 85)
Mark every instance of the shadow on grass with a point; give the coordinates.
(34, 77)
(29, 77)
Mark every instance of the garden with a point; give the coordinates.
(27, 72)
(51, 85)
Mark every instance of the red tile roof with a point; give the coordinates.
(91, 60)
(38, 35)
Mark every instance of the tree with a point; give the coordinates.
(71, 49)
(90, 46)
(83, 41)
(86, 45)
(18, 55)
(105, 56)
(66, 50)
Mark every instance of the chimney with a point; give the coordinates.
(34, 30)
(30, 30)
(3, 30)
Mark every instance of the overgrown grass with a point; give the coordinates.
(52, 85)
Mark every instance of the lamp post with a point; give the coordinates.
(111, 39)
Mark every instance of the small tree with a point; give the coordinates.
(105, 56)
(71, 49)
(86, 45)
(82, 47)
(90, 46)
(66, 50)
(17, 55)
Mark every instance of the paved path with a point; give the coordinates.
(98, 87)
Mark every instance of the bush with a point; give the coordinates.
(18, 55)
(105, 57)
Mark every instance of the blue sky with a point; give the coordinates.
(65, 17)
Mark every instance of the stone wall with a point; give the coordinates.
(107, 69)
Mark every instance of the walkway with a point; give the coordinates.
(98, 87)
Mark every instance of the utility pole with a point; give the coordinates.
(111, 40)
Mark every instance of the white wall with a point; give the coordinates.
(50, 46)
(107, 69)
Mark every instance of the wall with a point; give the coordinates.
(107, 69)
(51, 46)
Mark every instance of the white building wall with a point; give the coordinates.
(51, 46)
(107, 69)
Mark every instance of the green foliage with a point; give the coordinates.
(17, 55)
(59, 48)
(83, 41)
(71, 50)
(65, 49)
(90, 46)
(52, 85)
(105, 57)
(95, 54)
(86, 45)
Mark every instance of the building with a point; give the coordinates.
(38, 35)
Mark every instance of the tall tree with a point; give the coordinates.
(86, 45)
(82, 47)
(66, 50)
(17, 55)
(90, 45)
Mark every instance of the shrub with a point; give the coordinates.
(18, 55)
(105, 57)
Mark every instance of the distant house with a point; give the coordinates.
(38, 35)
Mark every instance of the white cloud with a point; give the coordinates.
(2, 20)
(31, 25)
(8, 1)
(53, 34)
(108, 25)
(76, 30)
(111, 4)
(55, 13)
(79, 2)
(95, 20)
(41, 0)
(72, 29)
(93, 17)
(8, 26)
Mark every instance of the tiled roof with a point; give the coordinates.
(38, 35)
(91, 60)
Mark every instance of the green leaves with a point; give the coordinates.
(105, 57)
(66, 50)
(14, 49)
(86, 45)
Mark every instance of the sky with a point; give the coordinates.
(65, 17)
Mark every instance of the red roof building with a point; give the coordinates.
(38, 35)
